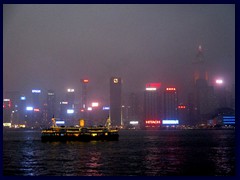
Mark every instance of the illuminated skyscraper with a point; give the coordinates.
(11, 105)
(221, 94)
(36, 98)
(70, 98)
(84, 83)
(51, 111)
(35, 117)
(199, 63)
(7, 110)
(170, 104)
(203, 96)
(22, 109)
(204, 101)
(152, 106)
(116, 101)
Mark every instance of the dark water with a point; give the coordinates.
(137, 153)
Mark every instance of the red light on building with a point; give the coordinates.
(36, 110)
(153, 85)
(181, 107)
(170, 89)
(85, 80)
(153, 122)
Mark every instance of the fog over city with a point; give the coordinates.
(119, 90)
(55, 46)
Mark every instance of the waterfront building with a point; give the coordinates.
(36, 114)
(50, 108)
(82, 108)
(11, 101)
(116, 101)
(170, 104)
(83, 99)
(131, 109)
(152, 106)
(7, 110)
(36, 98)
(22, 109)
(70, 98)
(183, 114)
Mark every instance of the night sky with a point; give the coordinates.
(54, 46)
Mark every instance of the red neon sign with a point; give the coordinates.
(85, 80)
(170, 89)
(153, 122)
(153, 85)
(181, 107)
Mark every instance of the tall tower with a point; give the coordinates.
(84, 83)
(116, 101)
(203, 93)
(152, 106)
(199, 66)
(36, 99)
(36, 119)
(170, 104)
(50, 105)
(70, 97)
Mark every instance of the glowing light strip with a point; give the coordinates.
(170, 122)
(36, 91)
(153, 122)
(151, 89)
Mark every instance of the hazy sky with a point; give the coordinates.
(54, 46)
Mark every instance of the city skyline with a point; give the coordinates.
(55, 46)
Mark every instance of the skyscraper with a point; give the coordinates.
(36, 98)
(84, 83)
(82, 110)
(51, 111)
(203, 99)
(116, 101)
(200, 71)
(170, 104)
(152, 106)
(13, 98)
(70, 98)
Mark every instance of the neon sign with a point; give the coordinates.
(36, 91)
(151, 89)
(153, 85)
(170, 122)
(95, 104)
(181, 107)
(170, 89)
(85, 81)
(153, 122)
(70, 111)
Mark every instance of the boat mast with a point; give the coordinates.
(54, 122)
(108, 122)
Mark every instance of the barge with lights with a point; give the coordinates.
(70, 133)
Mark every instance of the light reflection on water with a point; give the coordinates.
(137, 153)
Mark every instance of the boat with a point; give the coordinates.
(80, 133)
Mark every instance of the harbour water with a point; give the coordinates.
(136, 153)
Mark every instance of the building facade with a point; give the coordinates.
(170, 104)
(152, 106)
(116, 101)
